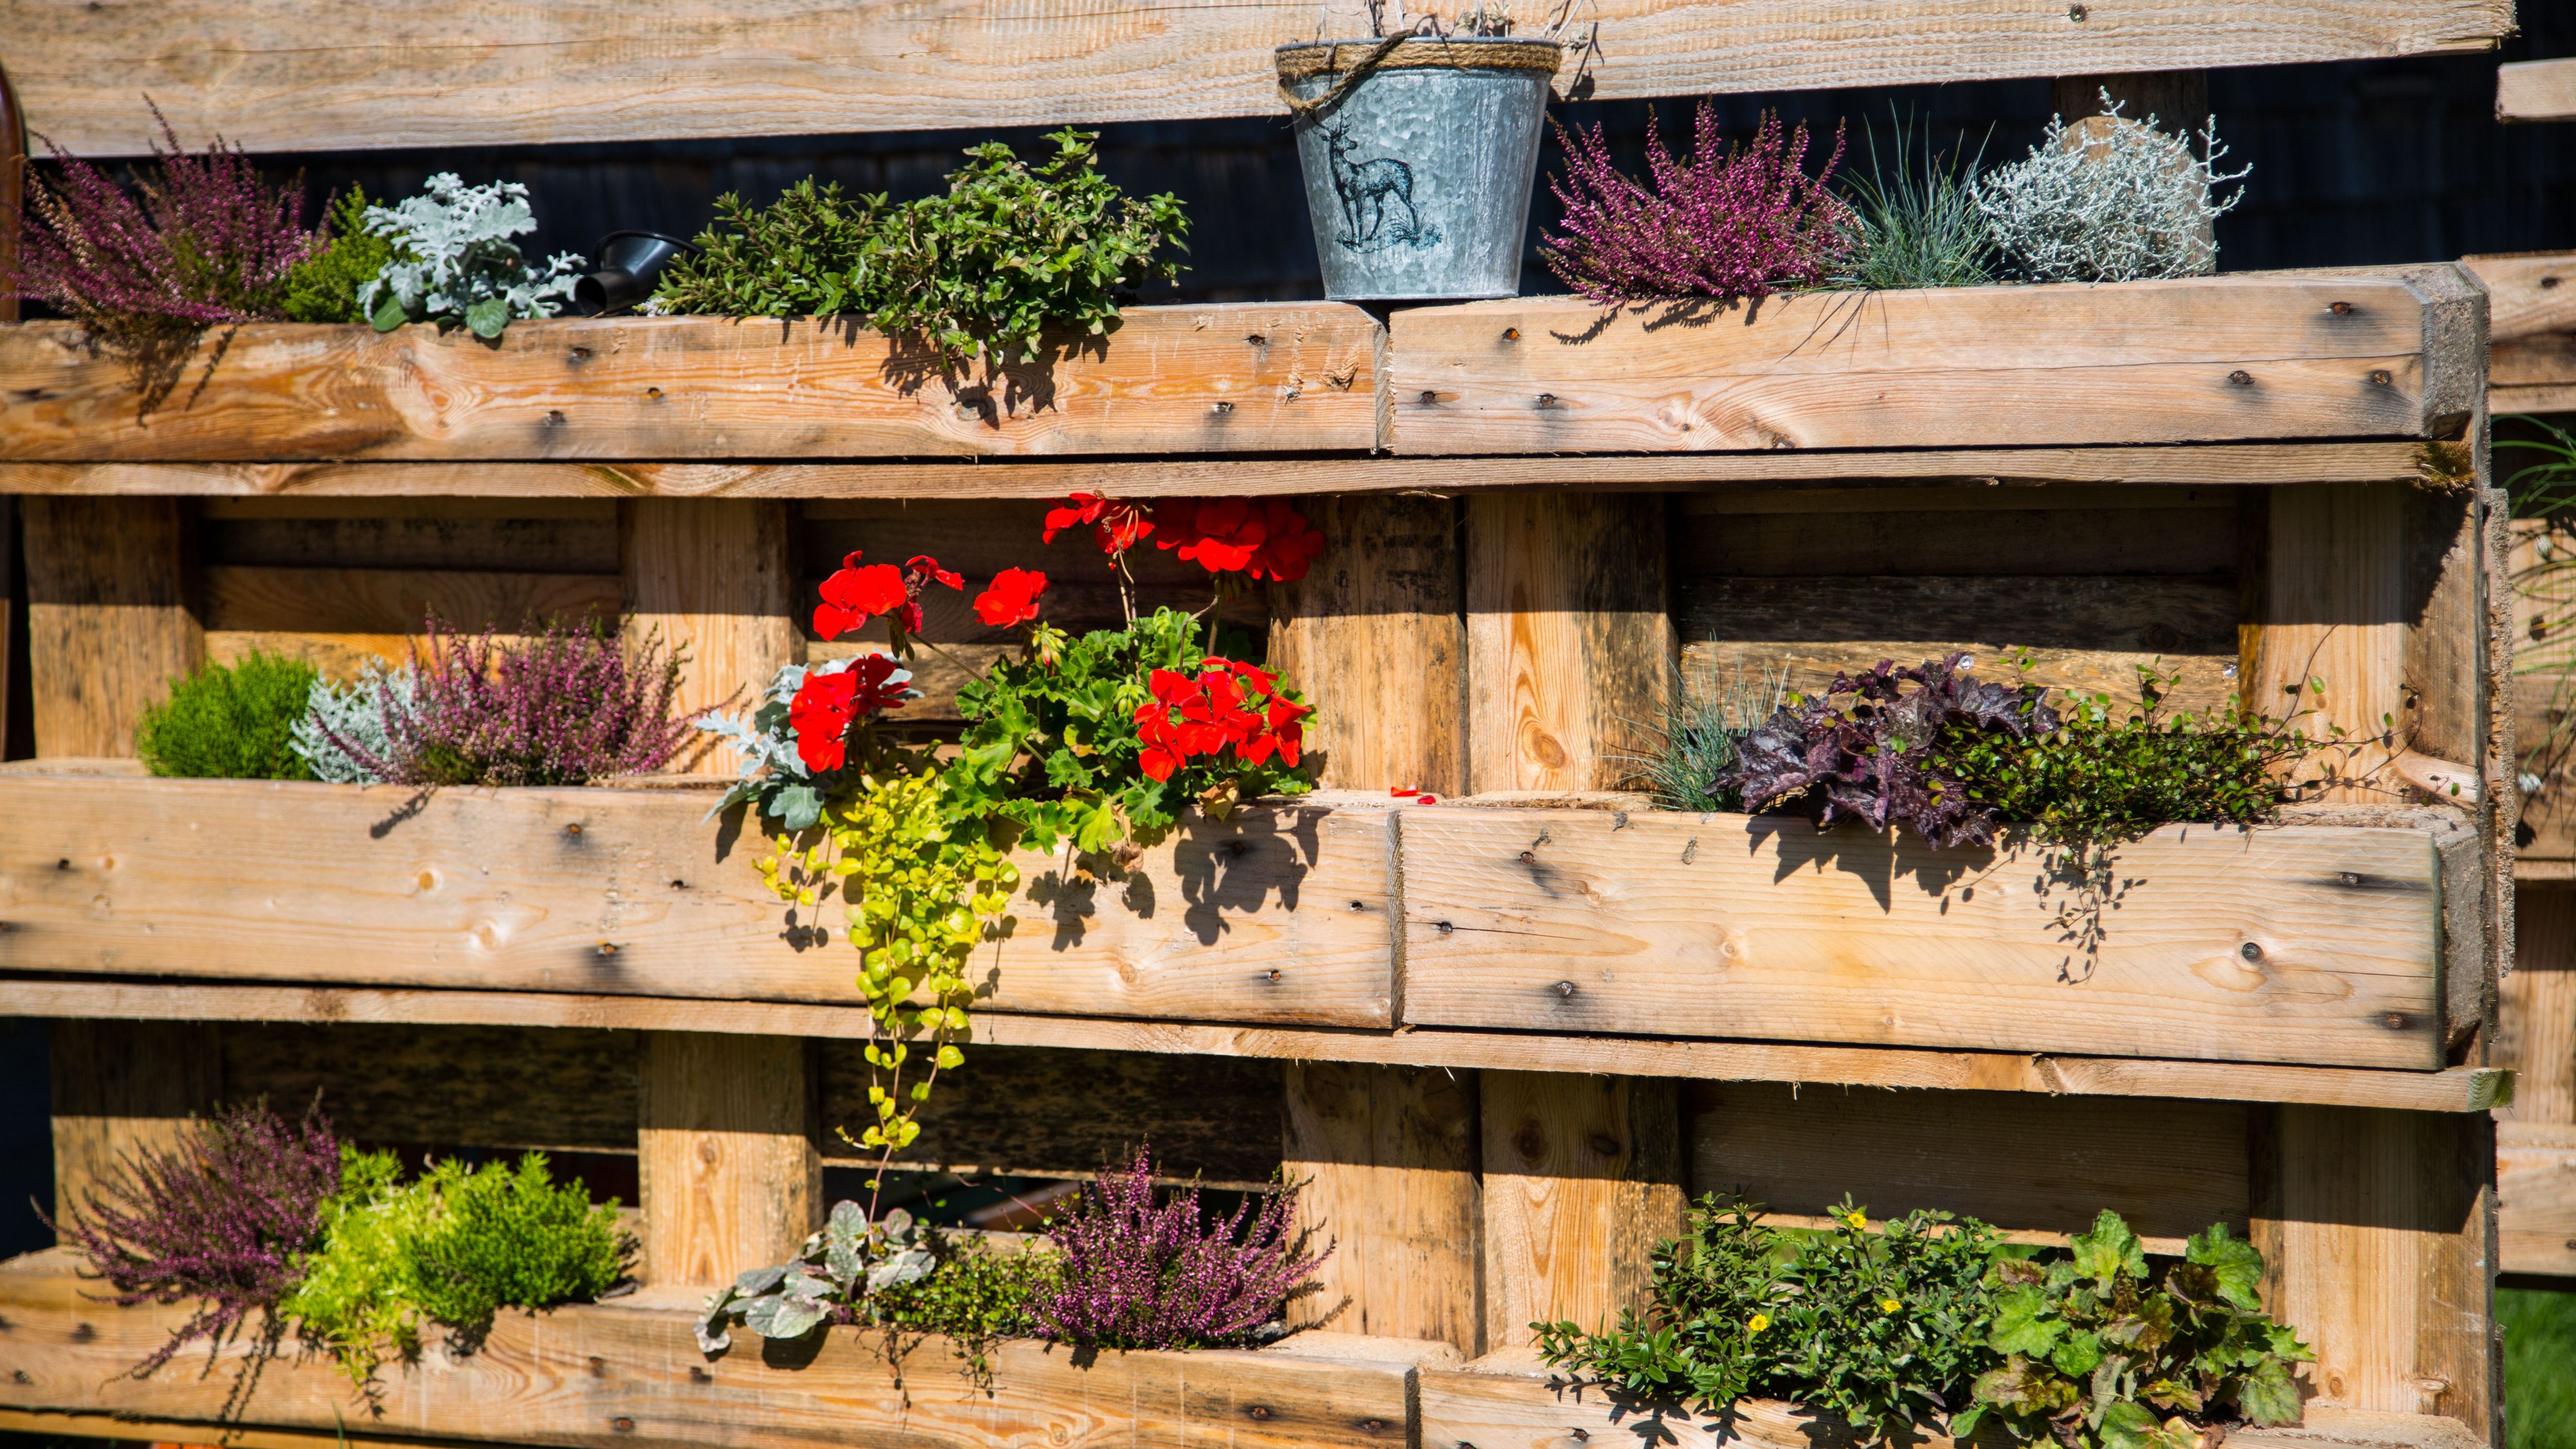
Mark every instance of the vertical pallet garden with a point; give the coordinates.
(1500, 1017)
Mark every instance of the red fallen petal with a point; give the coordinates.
(1403, 792)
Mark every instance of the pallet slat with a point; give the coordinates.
(2299, 944)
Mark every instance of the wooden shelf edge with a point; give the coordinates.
(2451, 1089)
(2184, 464)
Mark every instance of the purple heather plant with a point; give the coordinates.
(220, 1219)
(1141, 1267)
(201, 241)
(1871, 748)
(565, 704)
(1726, 223)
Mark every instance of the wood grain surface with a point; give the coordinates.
(712, 580)
(345, 75)
(112, 616)
(452, 1086)
(2227, 464)
(2130, 362)
(2450, 1089)
(2536, 1197)
(1280, 917)
(2327, 646)
(726, 1153)
(121, 1087)
(1583, 1181)
(1377, 627)
(2536, 90)
(2531, 319)
(1223, 378)
(2295, 944)
(1389, 1156)
(605, 1375)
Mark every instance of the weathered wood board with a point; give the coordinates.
(2536, 1197)
(610, 1375)
(1216, 379)
(2536, 90)
(2251, 356)
(2531, 317)
(1279, 917)
(345, 74)
(2291, 944)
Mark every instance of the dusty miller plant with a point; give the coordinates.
(356, 713)
(455, 262)
(2113, 203)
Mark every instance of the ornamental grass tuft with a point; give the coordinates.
(222, 1219)
(1732, 223)
(233, 722)
(564, 704)
(1143, 1267)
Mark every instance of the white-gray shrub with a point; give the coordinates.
(355, 714)
(2112, 203)
(458, 264)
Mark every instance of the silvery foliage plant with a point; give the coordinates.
(356, 714)
(2110, 203)
(843, 1265)
(455, 262)
(773, 776)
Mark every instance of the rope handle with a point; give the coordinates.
(1308, 112)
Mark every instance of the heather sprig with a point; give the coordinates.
(1728, 223)
(221, 1219)
(201, 241)
(1142, 1267)
(565, 704)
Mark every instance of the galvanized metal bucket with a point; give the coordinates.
(1419, 154)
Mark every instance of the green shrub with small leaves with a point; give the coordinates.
(324, 286)
(980, 270)
(230, 722)
(1881, 1327)
(451, 1248)
(2102, 1352)
(1707, 1337)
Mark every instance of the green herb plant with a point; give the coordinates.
(230, 722)
(1881, 1326)
(2097, 1346)
(1919, 221)
(1707, 1337)
(981, 270)
(450, 1249)
(324, 287)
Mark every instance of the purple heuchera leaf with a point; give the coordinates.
(220, 1219)
(1724, 223)
(1140, 1267)
(566, 705)
(1866, 747)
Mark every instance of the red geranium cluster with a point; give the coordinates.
(1225, 704)
(854, 594)
(1265, 539)
(826, 705)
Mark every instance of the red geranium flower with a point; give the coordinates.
(1117, 526)
(1220, 535)
(1011, 599)
(854, 595)
(1288, 544)
(826, 705)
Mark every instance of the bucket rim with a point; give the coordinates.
(1307, 59)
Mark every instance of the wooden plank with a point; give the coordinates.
(1654, 922)
(111, 616)
(120, 1087)
(2531, 321)
(2378, 1232)
(1389, 1156)
(2217, 464)
(2132, 362)
(2090, 635)
(1049, 1112)
(2536, 90)
(1279, 917)
(1500, 1403)
(606, 1374)
(2537, 1022)
(1377, 627)
(2057, 532)
(725, 1149)
(52, 1423)
(1224, 378)
(325, 77)
(1583, 1181)
(528, 536)
(2536, 1197)
(1570, 647)
(710, 578)
(394, 602)
(2451, 1089)
(457, 1086)
(2038, 1168)
(2333, 614)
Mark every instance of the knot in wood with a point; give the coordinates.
(1604, 1143)
(1258, 1411)
(622, 1424)
(1257, 340)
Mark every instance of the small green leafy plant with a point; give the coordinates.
(980, 270)
(451, 1248)
(1919, 225)
(324, 287)
(230, 722)
(1706, 1338)
(2098, 1346)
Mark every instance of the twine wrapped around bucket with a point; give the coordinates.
(1352, 61)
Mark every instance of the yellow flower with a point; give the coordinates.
(1888, 1305)
(1758, 1322)
(1857, 1221)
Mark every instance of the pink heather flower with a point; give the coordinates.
(1726, 223)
